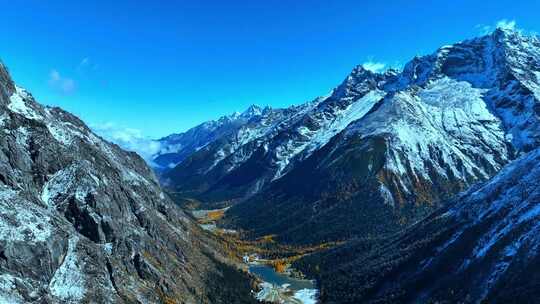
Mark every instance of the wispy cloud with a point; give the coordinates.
(86, 64)
(374, 66)
(129, 139)
(505, 24)
(484, 29)
(63, 84)
(67, 85)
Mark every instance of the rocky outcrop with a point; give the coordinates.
(82, 221)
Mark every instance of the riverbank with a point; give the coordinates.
(280, 287)
(266, 260)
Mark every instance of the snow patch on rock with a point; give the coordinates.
(18, 105)
(68, 283)
(8, 290)
(307, 296)
(25, 222)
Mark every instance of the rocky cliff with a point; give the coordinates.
(82, 221)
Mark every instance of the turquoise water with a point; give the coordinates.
(268, 274)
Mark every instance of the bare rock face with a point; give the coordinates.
(82, 221)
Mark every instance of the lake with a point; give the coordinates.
(268, 274)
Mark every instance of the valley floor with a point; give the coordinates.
(265, 260)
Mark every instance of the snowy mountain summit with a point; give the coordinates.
(399, 142)
(176, 147)
(463, 118)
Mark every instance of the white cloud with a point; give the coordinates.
(374, 66)
(63, 84)
(54, 76)
(85, 61)
(506, 24)
(484, 29)
(87, 64)
(129, 139)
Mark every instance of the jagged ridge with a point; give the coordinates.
(82, 221)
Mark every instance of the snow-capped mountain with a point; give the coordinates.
(389, 146)
(261, 152)
(482, 245)
(176, 147)
(447, 121)
(82, 221)
(482, 248)
(223, 157)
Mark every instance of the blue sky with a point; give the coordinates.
(158, 67)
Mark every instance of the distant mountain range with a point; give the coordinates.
(381, 151)
(177, 147)
(429, 174)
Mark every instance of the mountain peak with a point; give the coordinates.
(360, 71)
(507, 30)
(252, 110)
